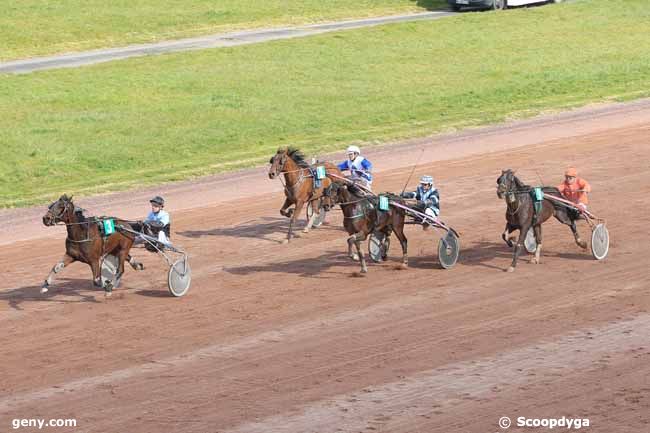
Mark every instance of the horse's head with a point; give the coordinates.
(331, 196)
(506, 183)
(61, 210)
(278, 162)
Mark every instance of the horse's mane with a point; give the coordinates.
(356, 191)
(518, 183)
(297, 157)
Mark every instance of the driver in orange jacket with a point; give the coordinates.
(575, 189)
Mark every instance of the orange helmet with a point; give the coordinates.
(571, 171)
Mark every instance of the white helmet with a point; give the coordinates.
(427, 180)
(353, 149)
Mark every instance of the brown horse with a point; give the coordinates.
(361, 217)
(299, 187)
(85, 243)
(521, 215)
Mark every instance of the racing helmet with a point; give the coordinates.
(158, 201)
(571, 171)
(353, 149)
(428, 180)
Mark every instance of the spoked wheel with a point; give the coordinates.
(110, 265)
(448, 250)
(530, 243)
(599, 241)
(376, 246)
(180, 277)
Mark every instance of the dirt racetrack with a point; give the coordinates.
(285, 338)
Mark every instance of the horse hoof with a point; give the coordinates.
(44, 290)
(364, 270)
(305, 230)
(510, 269)
(582, 244)
(355, 257)
(533, 261)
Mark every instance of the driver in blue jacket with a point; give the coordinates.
(428, 198)
(158, 219)
(359, 167)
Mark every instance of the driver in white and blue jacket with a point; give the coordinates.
(428, 198)
(359, 167)
(158, 218)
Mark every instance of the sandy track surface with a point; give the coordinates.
(286, 338)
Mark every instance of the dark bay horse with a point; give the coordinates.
(299, 187)
(86, 244)
(361, 216)
(520, 214)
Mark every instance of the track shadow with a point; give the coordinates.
(313, 267)
(424, 262)
(268, 228)
(64, 286)
(483, 252)
(154, 293)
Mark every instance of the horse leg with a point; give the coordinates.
(284, 211)
(96, 268)
(582, 244)
(518, 246)
(314, 213)
(507, 235)
(399, 232)
(351, 242)
(384, 255)
(65, 261)
(294, 215)
(358, 237)
(538, 251)
(134, 264)
(122, 256)
(565, 218)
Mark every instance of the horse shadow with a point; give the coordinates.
(482, 253)
(72, 288)
(310, 267)
(271, 229)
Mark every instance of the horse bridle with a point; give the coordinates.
(281, 171)
(57, 218)
(510, 197)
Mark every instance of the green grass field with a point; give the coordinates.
(148, 120)
(37, 27)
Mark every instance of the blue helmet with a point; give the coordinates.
(427, 180)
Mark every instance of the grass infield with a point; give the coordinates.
(39, 27)
(149, 120)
